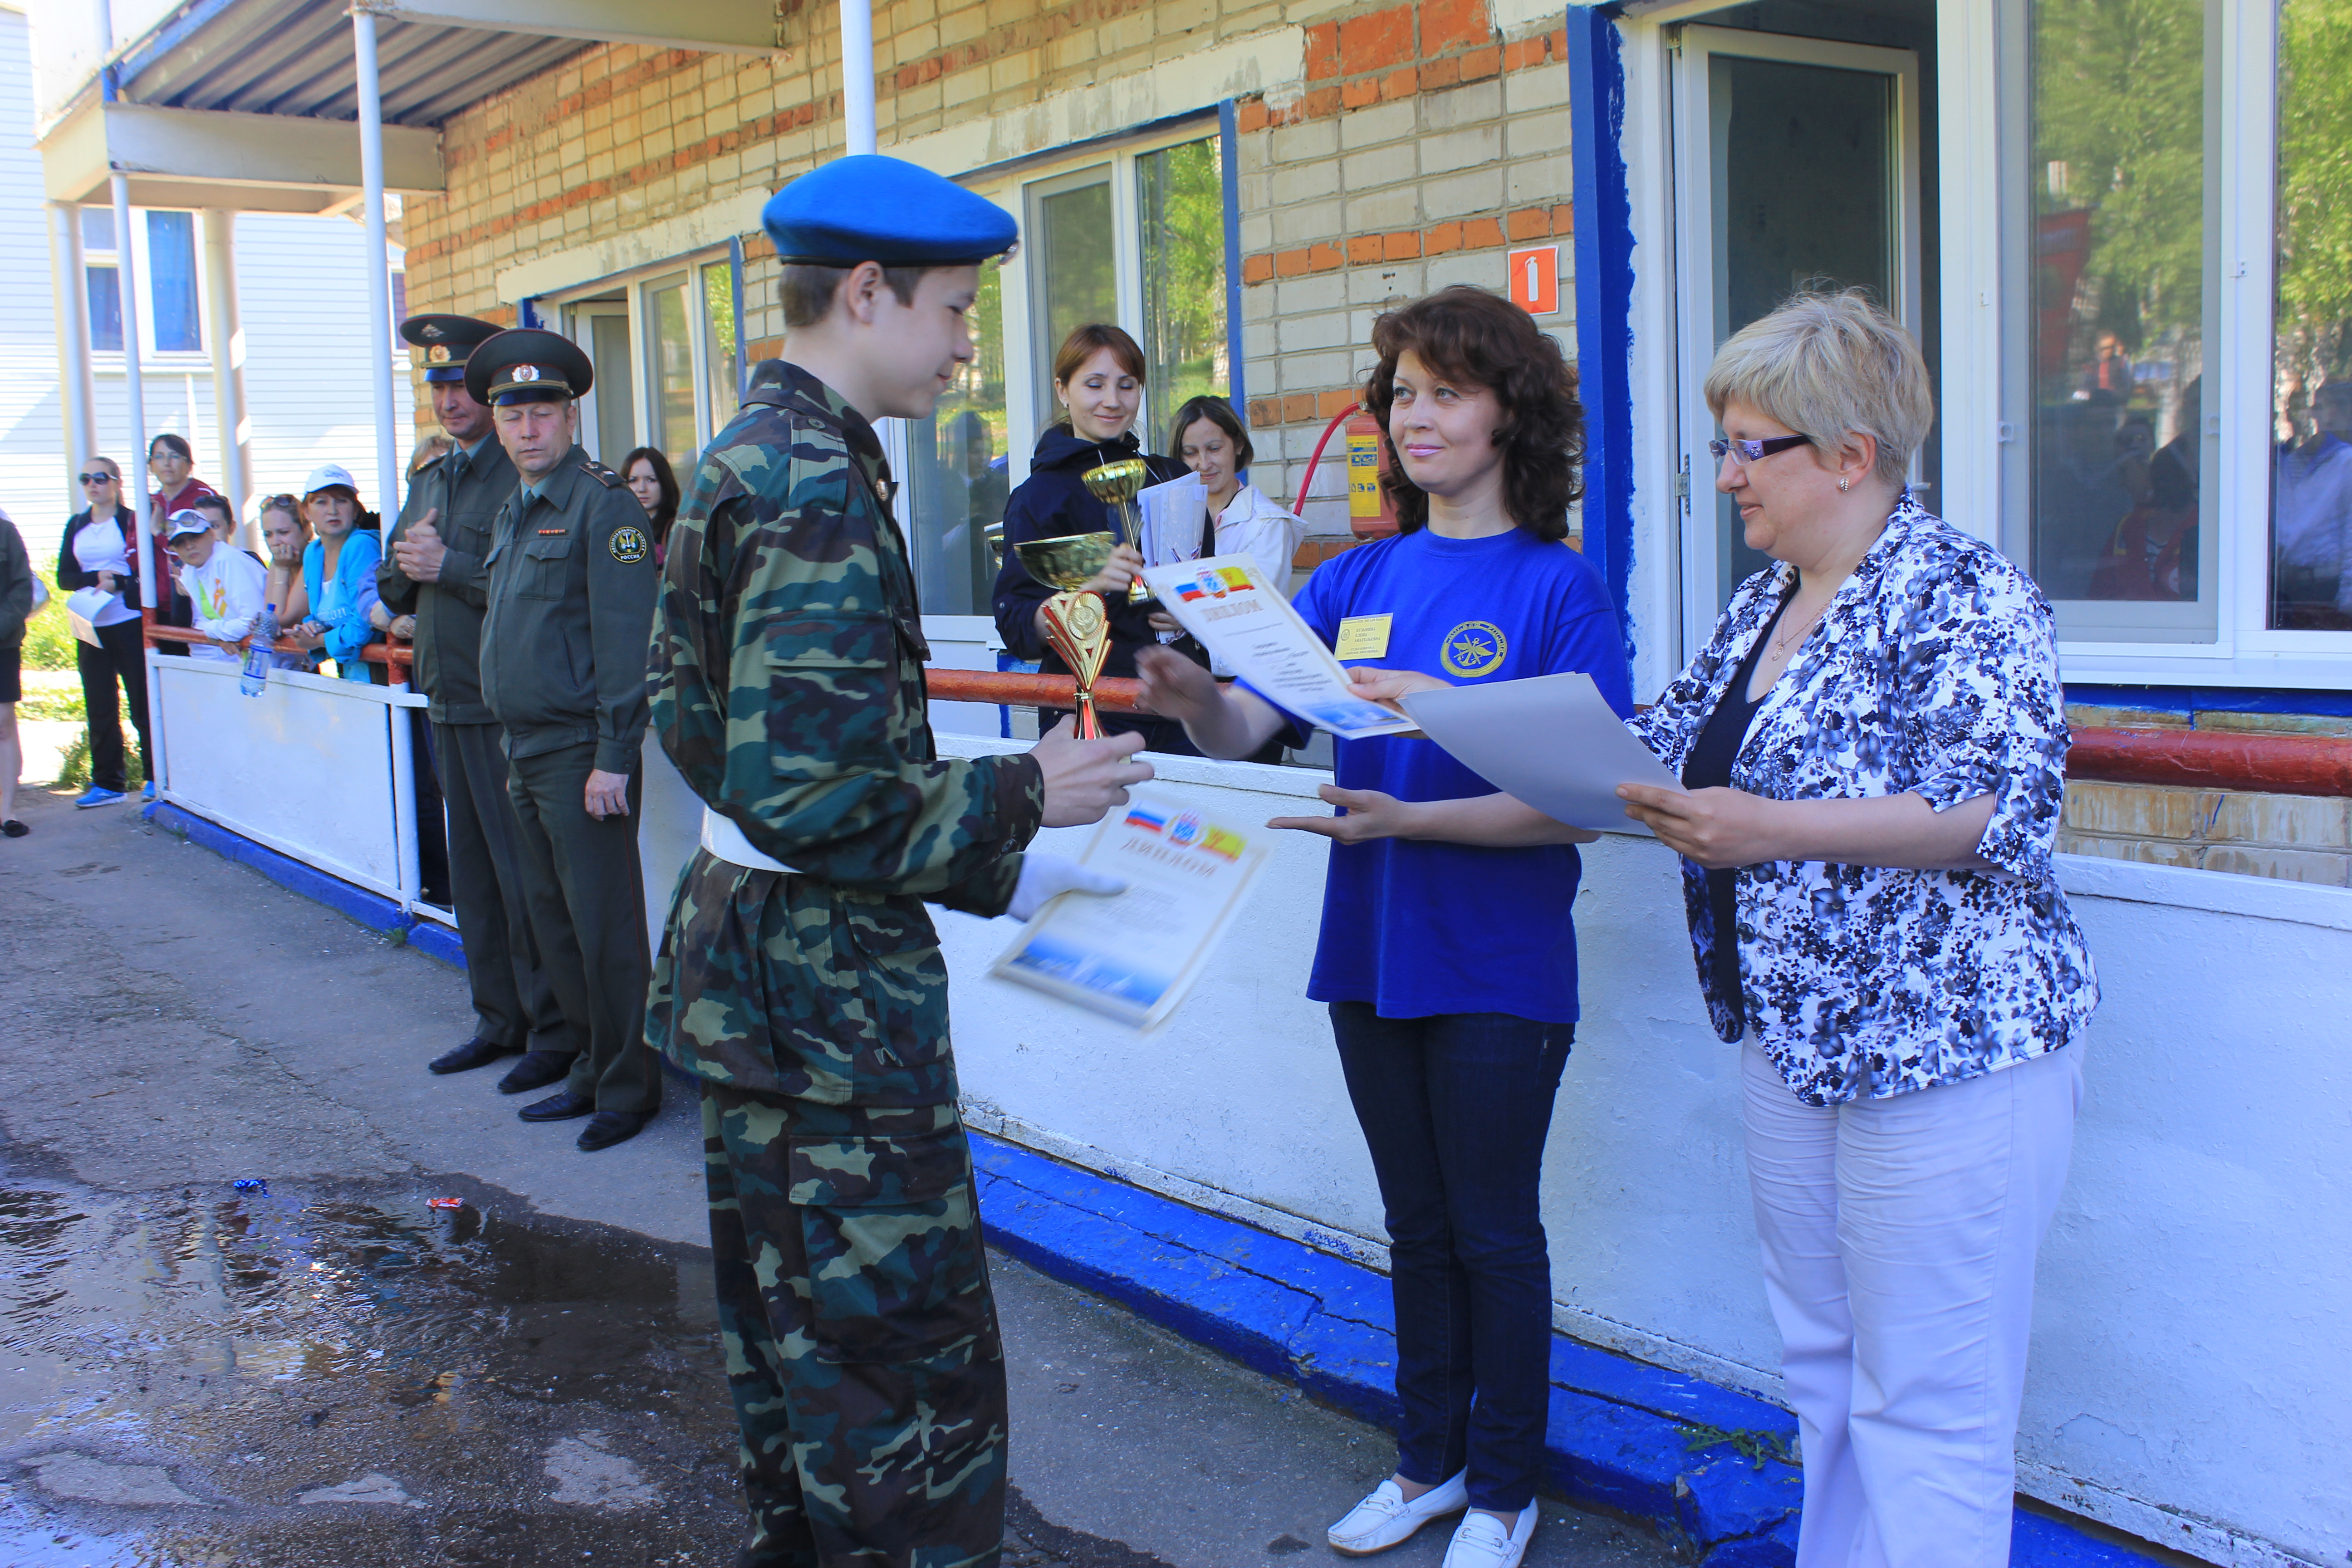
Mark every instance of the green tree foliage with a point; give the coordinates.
(1183, 222)
(2315, 179)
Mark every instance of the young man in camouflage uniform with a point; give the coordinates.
(799, 975)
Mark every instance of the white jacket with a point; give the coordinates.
(1270, 535)
(229, 592)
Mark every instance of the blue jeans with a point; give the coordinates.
(1454, 1109)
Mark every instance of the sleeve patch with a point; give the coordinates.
(629, 545)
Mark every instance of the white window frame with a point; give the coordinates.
(178, 362)
(1983, 221)
(565, 314)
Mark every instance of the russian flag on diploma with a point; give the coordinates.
(1146, 818)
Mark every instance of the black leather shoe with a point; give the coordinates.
(561, 1106)
(477, 1052)
(608, 1128)
(536, 1070)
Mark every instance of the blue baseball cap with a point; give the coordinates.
(869, 207)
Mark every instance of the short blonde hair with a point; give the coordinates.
(1827, 366)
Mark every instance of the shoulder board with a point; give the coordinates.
(434, 461)
(602, 474)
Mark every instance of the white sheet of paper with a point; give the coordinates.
(1133, 956)
(1175, 514)
(1248, 623)
(1552, 741)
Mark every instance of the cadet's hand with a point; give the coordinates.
(1118, 571)
(420, 549)
(1084, 779)
(1376, 685)
(1175, 687)
(1046, 876)
(1370, 814)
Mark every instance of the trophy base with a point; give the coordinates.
(1077, 627)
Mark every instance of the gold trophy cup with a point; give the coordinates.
(1077, 623)
(1116, 485)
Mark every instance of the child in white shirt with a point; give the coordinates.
(225, 585)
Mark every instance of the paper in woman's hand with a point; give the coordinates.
(1175, 515)
(1552, 742)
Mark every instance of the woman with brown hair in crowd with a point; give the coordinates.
(1098, 378)
(1448, 949)
(654, 482)
(174, 463)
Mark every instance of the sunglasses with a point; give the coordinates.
(98, 478)
(1746, 452)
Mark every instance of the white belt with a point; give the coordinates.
(723, 839)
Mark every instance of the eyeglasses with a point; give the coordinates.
(280, 500)
(1746, 452)
(97, 478)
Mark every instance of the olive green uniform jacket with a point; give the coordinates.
(570, 603)
(448, 610)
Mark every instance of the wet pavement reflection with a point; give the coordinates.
(313, 1375)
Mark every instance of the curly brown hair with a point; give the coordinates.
(1468, 334)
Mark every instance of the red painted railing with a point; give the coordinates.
(2205, 759)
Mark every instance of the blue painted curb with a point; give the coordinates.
(1700, 1461)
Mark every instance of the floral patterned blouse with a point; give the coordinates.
(1935, 673)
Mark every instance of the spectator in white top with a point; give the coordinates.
(2312, 519)
(1208, 437)
(222, 584)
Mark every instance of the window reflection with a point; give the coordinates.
(2118, 188)
(1180, 198)
(958, 478)
(719, 341)
(2311, 380)
(673, 374)
(1075, 277)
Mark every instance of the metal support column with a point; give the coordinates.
(76, 396)
(857, 73)
(387, 448)
(224, 327)
(134, 461)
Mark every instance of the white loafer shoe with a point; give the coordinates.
(1385, 1519)
(1480, 1540)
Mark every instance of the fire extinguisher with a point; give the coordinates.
(1370, 514)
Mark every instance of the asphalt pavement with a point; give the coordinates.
(334, 1370)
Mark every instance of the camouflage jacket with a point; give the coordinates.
(787, 688)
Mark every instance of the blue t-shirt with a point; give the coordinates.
(1419, 928)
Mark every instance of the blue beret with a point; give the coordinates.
(867, 208)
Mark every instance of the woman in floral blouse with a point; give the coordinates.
(1873, 741)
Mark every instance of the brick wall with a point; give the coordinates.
(1422, 144)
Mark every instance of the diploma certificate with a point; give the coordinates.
(1134, 955)
(1249, 628)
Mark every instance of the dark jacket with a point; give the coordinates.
(15, 584)
(1051, 502)
(448, 610)
(70, 575)
(570, 616)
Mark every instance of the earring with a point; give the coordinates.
(1845, 484)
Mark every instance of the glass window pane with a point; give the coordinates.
(719, 336)
(1181, 214)
(1076, 281)
(673, 369)
(171, 281)
(957, 475)
(98, 229)
(2311, 502)
(2117, 324)
(105, 309)
(616, 422)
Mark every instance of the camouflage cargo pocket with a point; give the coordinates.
(892, 1230)
(902, 978)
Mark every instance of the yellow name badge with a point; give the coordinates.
(1363, 636)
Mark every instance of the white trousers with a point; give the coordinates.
(1899, 1238)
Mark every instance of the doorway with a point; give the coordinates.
(1797, 165)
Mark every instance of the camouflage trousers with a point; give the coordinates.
(862, 1347)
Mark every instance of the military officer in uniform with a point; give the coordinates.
(437, 570)
(563, 668)
(799, 975)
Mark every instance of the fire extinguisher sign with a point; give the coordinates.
(1535, 279)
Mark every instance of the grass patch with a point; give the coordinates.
(48, 704)
(48, 637)
(73, 768)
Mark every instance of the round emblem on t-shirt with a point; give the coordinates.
(628, 545)
(1474, 649)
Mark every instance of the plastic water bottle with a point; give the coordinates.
(256, 677)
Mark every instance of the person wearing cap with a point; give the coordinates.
(338, 572)
(437, 568)
(224, 584)
(799, 975)
(562, 665)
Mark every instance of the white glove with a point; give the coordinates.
(1044, 877)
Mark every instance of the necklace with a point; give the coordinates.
(1783, 640)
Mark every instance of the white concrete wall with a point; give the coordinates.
(302, 292)
(2189, 1377)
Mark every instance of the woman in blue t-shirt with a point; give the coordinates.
(1448, 956)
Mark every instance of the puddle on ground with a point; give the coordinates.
(307, 1375)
